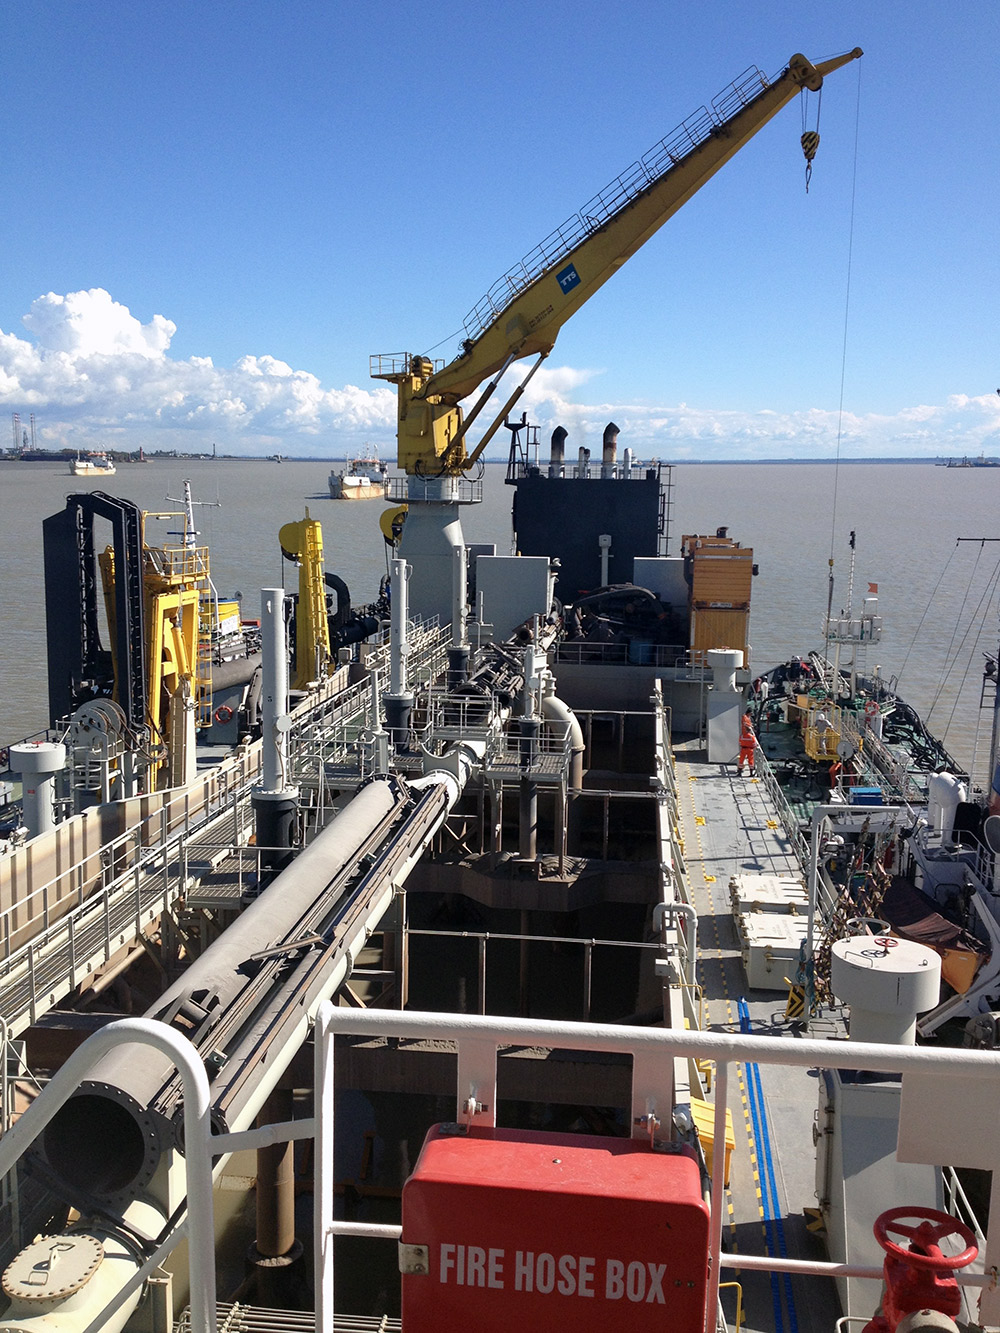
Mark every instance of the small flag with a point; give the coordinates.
(873, 590)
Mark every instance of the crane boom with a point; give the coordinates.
(522, 314)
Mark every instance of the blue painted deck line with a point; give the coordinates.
(774, 1222)
(779, 1322)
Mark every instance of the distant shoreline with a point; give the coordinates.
(124, 459)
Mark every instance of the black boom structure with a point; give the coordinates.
(80, 668)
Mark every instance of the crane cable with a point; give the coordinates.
(444, 340)
(931, 601)
(843, 355)
(967, 641)
(949, 651)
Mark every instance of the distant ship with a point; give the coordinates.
(365, 477)
(92, 465)
(981, 461)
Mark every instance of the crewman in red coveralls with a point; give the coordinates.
(747, 744)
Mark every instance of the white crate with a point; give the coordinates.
(771, 948)
(768, 893)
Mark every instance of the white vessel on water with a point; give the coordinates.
(364, 477)
(483, 911)
(92, 465)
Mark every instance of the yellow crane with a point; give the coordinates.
(175, 587)
(302, 542)
(523, 312)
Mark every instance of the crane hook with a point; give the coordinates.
(810, 142)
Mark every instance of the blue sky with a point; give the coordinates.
(217, 211)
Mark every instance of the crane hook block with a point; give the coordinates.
(810, 142)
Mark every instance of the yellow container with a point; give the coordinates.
(704, 1120)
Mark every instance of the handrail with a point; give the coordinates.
(652, 1050)
(477, 1040)
(179, 811)
(618, 194)
(789, 822)
(102, 881)
(586, 943)
(199, 1225)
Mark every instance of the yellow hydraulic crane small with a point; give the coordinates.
(302, 542)
(175, 588)
(524, 311)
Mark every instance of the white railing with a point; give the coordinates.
(652, 1050)
(477, 1040)
(30, 902)
(567, 943)
(636, 652)
(55, 935)
(200, 1222)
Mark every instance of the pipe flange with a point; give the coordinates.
(53, 1267)
(275, 1261)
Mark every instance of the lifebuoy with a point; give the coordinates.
(223, 713)
(871, 708)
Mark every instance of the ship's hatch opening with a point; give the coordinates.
(564, 1091)
(95, 1145)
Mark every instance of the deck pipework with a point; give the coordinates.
(557, 452)
(38, 762)
(275, 800)
(609, 457)
(399, 700)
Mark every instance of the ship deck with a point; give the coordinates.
(729, 826)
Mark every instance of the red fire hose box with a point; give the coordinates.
(506, 1229)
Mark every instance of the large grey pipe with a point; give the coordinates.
(107, 1141)
(102, 1118)
(236, 672)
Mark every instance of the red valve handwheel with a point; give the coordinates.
(932, 1226)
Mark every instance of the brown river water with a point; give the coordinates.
(938, 598)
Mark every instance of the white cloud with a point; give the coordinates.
(961, 425)
(95, 374)
(85, 324)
